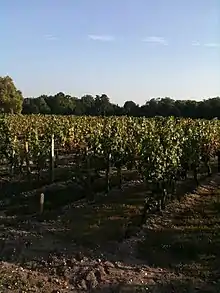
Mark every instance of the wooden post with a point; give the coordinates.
(107, 174)
(88, 169)
(12, 171)
(12, 163)
(52, 159)
(27, 160)
(41, 203)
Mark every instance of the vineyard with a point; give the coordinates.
(161, 151)
(95, 159)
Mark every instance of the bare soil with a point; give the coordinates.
(97, 247)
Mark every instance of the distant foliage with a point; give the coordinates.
(88, 105)
(11, 99)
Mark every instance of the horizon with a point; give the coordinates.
(136, 50)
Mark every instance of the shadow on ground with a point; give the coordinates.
(187, 240)
(184, 240)
(97, 227)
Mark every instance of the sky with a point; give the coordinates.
(127, 49)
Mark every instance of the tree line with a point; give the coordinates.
(12, 101)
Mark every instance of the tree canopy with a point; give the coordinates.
(11, 99)
(101, 105)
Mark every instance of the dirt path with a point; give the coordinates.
(177, 251)
(185, 239)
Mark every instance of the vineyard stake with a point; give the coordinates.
(52, 159)
(27, 160)
(88, 167)
(41, 203)
(107, 174)
(13, 158)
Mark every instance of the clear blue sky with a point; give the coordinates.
(128, 49)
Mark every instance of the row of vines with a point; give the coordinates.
(162, 150)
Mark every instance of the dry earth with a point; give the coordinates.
(80, 248)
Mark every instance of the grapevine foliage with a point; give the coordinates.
(161, 149)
